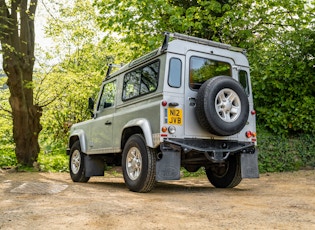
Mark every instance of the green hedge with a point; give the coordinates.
(280, 153)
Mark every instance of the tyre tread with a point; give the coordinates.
(80, 177)
(232, 178)
(148, 180)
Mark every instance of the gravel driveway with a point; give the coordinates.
(53, 201)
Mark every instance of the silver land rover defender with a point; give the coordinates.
(187, 104)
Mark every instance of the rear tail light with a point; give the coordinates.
(250, 134)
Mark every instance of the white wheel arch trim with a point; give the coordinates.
(82, 138)
(146, 129)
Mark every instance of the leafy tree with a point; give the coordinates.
(137, 23)
(142, 23)
(17, 41)
(82, 61)
(283, 67)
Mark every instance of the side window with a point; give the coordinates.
(175, 72)
(131, 84)
(202, 69)
(141, 81)
(108, 96)
(243, 79)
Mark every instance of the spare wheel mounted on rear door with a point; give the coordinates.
(222, 106)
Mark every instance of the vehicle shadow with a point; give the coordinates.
(168, 187)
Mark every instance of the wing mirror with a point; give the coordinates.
(91, 106)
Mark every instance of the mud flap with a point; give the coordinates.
(94, 166)
(249, 165)
(168, 167)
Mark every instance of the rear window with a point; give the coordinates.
(201, 69)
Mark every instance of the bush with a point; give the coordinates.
(280, 153)
(50, 162)
(53, 157)
(283, 83)
(7, 156)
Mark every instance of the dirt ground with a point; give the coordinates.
(53, 201)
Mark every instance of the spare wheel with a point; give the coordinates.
(222, 106)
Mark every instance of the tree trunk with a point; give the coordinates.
(26, 120)
(18, 42)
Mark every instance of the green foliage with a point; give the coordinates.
(278, 153)
(199, 172)
(283, 83)
(140, 24)
(52, 162)
(72, 26)
(70, 83)
(7, 156)
(137, 23)
(70, 106)
(52, 159)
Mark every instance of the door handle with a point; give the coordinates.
(108, 123)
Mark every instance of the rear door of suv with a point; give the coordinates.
(199, 68)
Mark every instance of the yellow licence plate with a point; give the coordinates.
(175, 116)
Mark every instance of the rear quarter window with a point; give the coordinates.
(141, 81)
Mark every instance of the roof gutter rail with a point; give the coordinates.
(202, 41)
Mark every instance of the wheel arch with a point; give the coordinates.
(137, 126)
(78, 135)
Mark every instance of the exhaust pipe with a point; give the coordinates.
(159, 156)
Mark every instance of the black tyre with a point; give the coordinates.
(138, 165)
(227, 176)
(76, 164)
(222, 106)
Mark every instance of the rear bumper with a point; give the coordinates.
(216, 151)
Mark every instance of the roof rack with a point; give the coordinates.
(199, 41)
